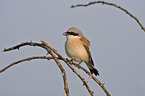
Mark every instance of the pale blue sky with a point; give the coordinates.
(117, 46)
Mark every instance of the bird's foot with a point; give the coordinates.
(70, 61)
(78, 65)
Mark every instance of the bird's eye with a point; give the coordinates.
(72, 33)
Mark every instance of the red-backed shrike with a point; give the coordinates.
(77, 48)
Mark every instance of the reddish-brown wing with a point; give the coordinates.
(86, 43)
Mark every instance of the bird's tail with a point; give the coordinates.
(92, 69)
(95, 71)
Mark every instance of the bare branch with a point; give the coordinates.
(49, 49)
(27, 59)
(111, 4)
(83, 80)
(79, 66)
(95, 79)
(63, 73)
(66, 61)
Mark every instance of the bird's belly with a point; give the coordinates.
(77, 52)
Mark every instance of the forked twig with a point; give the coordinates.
(28, 59)
(50, 50)
(83, 80)
(79, 66)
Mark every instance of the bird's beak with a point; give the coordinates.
(65, 34)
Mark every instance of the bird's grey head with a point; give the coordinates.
(73, 31)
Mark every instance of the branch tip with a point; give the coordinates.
(4, 50)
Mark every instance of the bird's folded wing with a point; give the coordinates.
(85, 41)
(86, 44)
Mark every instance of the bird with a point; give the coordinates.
(77, 48)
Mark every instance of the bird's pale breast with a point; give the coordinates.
(76, 50)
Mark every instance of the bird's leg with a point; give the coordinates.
(71, 61)
(79, 65)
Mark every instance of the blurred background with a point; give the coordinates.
(117, 46)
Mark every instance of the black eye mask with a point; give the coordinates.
(72, 33)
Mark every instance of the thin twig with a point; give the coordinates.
(112, 4)
(23, 44)
(26, 59)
